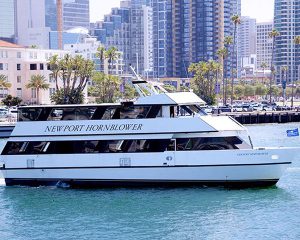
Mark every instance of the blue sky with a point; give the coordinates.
(262, 10)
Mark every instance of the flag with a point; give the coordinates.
(292, 133)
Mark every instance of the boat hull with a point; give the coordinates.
(232, 168)
(253, 175)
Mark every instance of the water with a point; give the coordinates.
(186, 213)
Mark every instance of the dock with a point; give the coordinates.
(264, 117)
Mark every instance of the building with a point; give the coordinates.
(199, 28)
(264, 44)
(130, 29)
(8, 20)
(76, 13)
(247, 39)
(287, 53)
(162, 38)
(71, 36)
(19, 64)
(31, 28)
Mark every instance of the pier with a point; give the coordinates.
(265, 117)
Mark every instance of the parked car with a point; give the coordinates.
(247, 108)
(237, 108)
(222, 109)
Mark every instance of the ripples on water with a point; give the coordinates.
(186, 213)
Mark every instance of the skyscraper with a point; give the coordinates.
(162, 37)
(31, 29)
(7, 20)
(76, 13)
(264, 44)
(247, 38)
(198, 31)
(287, 22)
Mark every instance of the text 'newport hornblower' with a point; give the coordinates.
(95, 128)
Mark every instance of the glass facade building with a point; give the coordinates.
(7, 20)
(199, 28)
(76, 13)
(287, 53)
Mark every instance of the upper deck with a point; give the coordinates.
(166, 105)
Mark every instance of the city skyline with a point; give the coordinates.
(263, 11)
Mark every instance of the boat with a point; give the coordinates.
(160, 139)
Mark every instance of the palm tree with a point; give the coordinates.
(228, 41)
(223, 53)
(273, 34)
(297, 43)
(236, 21)
(54, 68)
(112, 54)
(101, 55)
(38, 82)
(284, 72)
(3, 82)
(263, 66)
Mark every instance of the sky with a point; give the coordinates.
(262, 10)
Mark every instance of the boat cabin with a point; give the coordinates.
(167, 105)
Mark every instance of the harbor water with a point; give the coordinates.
(183, 213)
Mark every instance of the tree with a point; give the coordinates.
(38, 82)
(239, 91)
(204, 78)
(284, 70)
(9, 100)
(129, 92)
(112, 54)
(170, 88)
(263, 66)
(297, 43)
(236, 21)
(105, 88)
(3, 82)
(249, 91)
(223, 54)
(75, 73)
(273, 34)
(260, 90)
(101, 53)
(228, 41)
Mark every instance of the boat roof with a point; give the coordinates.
(178, 98)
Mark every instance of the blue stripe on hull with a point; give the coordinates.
(94, 183)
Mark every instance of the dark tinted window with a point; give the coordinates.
(213, 143)
(89, 146)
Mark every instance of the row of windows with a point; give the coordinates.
(33, 66)
(123, 146)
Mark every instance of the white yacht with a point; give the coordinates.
(161, 139)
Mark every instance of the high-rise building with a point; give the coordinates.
(162, 38)
(199, 28)
(264, 44)
(130, 29)
(31, 29)
(76, 13)
(7, 20)
(287, 53)
(247, 38)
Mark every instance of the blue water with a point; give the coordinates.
(186, 213)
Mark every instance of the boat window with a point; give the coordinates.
(78, 113)
(189, 110)
(29, 114)
(134, 112)
(109, 113)
(88, 146)
(212, 143)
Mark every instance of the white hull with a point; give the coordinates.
(230, 167)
